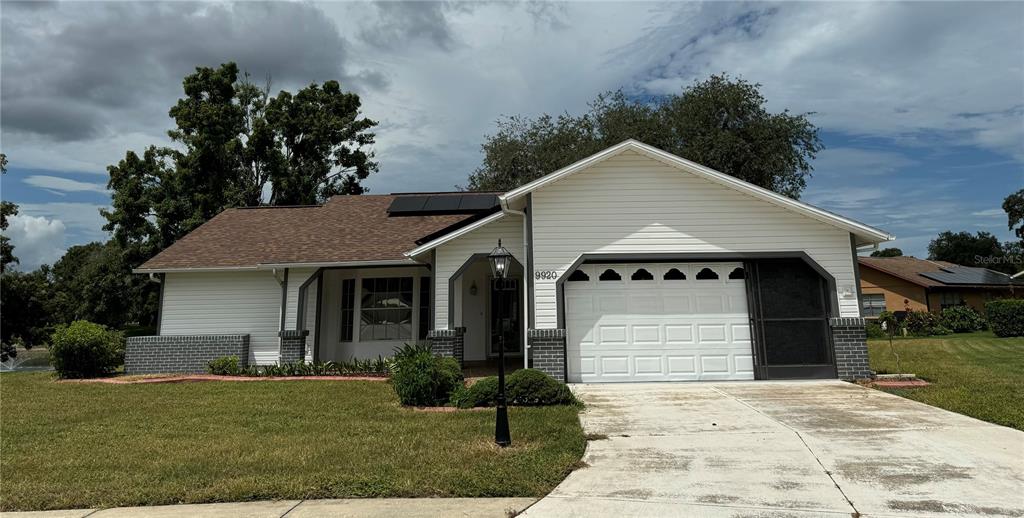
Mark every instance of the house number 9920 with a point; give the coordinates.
(545, 274)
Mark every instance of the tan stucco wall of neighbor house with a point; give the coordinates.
(899, 294)
(975, 298)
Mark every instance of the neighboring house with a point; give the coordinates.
(902, 283)
(631, 265)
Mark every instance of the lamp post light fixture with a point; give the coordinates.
(500, 260)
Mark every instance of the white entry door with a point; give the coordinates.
(658, 322)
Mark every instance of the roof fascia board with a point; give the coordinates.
(872, 234)
(338, 264)
(426, 247)
(196, 270)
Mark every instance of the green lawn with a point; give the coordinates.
(975, 374)
(66, 445)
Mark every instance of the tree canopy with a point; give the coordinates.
(7, 209)
(720, 122)
(981, 250)
(1014, 207)
(887, 252)
(238, 146)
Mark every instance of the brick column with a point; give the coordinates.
(851, 348)
(547, 351)
(449, 343)
(293, 345)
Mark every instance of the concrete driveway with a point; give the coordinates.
(814, 448)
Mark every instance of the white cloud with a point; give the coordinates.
(859, 162)
(37, 240)
(990, 213)
(83, 220)
(56, 183)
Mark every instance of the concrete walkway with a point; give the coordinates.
(821, 448)
(356, 507)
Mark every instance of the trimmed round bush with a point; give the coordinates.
(85, 350)
(482, 393)
(422, 379)
(961, 319)
(874, 330)
(531, 387)
(1006, 317)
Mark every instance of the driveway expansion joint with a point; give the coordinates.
(292, 508)
(804, 442)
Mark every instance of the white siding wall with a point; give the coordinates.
(297, 276)
(634, 204)
(225, 303)
(453, 254)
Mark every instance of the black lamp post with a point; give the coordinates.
(500, 261)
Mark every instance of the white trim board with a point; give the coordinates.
(426, 247)
(865, 233)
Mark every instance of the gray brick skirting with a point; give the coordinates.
(448, 342)
(547, 351)
(851, 348)
(293, 345)
(181, 353)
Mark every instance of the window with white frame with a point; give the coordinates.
(385, 311)
(874, 304)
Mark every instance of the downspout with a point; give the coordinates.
(526, 296)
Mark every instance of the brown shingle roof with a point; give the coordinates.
(346, 228)
(908, 268)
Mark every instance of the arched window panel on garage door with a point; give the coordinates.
(737, 274)
(707, 274)
(610, 275)
(578, 276)
(674, 274)
(641, 275)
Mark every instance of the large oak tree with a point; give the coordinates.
(720, 122)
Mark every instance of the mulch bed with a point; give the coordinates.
(186, 378)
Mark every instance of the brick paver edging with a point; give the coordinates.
(211, 377)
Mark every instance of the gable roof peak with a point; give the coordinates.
(865, 234)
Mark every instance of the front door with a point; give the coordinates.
(505, 302)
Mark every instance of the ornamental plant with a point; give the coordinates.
(85, 350)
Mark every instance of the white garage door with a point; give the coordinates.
(658, 322)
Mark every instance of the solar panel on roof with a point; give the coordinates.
(407, 204)
(442, 203)
(478, 201)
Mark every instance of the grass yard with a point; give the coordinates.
(66, 445)
(975, 374)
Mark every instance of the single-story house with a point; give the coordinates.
(908, 283)
(630, 265)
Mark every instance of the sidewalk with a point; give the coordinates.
(354, 507)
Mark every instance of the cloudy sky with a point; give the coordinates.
(921, 105)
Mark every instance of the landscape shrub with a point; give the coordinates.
(961, 319)
(1006, 317)
(84, 350)
(482, 393)
(874, 330)
(922, 323)
(524, 387)
(421, 378)
(224, 366)
(531, 387)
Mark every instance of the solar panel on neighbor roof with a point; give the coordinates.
(965, 275)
